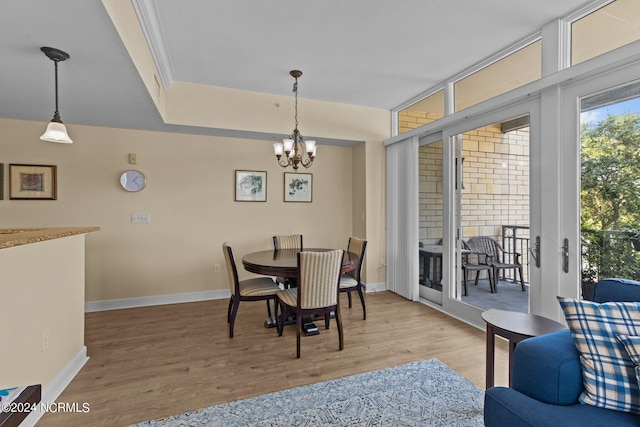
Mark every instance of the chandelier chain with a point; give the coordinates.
(295, 91)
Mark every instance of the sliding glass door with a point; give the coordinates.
(487, 192)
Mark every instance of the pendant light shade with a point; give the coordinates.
(56, 131)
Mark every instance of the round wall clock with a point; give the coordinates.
(133, 180)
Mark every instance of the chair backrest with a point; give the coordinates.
(319, 278)
(357, 246)
(487, 245)
(232, 271)
(291, 241)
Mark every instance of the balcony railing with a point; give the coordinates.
(605, 253)
(515, 238)
(609, 253)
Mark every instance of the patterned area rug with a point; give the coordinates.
(425, 393)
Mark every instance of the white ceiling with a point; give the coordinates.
(375, 53)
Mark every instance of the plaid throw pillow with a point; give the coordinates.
(632, 346)
(608, 374)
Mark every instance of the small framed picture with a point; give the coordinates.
(297, 187)
(251, 186)
(32, 182)
(1, 181)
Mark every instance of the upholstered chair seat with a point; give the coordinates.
(260, 286)
(347, 281)
(288, 296)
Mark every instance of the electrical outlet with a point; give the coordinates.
(140, 218)
(45, 340)
(216, 268)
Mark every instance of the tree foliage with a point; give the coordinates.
(610, 194)
(610, 197)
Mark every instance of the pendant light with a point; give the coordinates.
(56, 131)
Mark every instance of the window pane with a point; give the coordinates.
(608, 28)
(513, 71)
(422, 112)
(610, 185)
(430, 249)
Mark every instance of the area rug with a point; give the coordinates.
(425, 393)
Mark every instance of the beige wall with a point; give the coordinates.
(190, 198)
(42, 290)
(185, 103)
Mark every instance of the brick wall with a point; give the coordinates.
(411, 119)
(495, 179)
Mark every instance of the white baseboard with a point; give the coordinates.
(375, 287)
(51, 392)
(116, 304)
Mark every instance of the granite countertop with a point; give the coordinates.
(10, 237)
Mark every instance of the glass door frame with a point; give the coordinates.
(451, 279)
(569, 191)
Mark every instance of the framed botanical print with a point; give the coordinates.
(251, 186)
(32, 182)
(298, 187)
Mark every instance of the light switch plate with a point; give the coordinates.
(140, 218)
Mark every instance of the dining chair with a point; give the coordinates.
(291, 241)
(351, 280)
(316, 294)
(257, 289)
(497, 257)
(482, 264)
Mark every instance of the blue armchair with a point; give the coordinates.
(547, 379)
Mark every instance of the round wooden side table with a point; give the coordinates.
(515, 327)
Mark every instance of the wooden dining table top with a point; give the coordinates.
(284, 262)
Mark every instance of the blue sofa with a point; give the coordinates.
(547, 379)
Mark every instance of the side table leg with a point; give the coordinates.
(490, 362)
(512, 347)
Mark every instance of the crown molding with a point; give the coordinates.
(149, 19)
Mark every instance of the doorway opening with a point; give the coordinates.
(492, 185)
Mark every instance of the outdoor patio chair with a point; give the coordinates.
(498, 258)
(483, 263)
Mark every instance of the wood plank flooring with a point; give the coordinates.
(153, 362)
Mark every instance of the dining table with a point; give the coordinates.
(284, 263)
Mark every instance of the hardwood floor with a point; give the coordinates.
(153, 362)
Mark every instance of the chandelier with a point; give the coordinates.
(296, 150)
